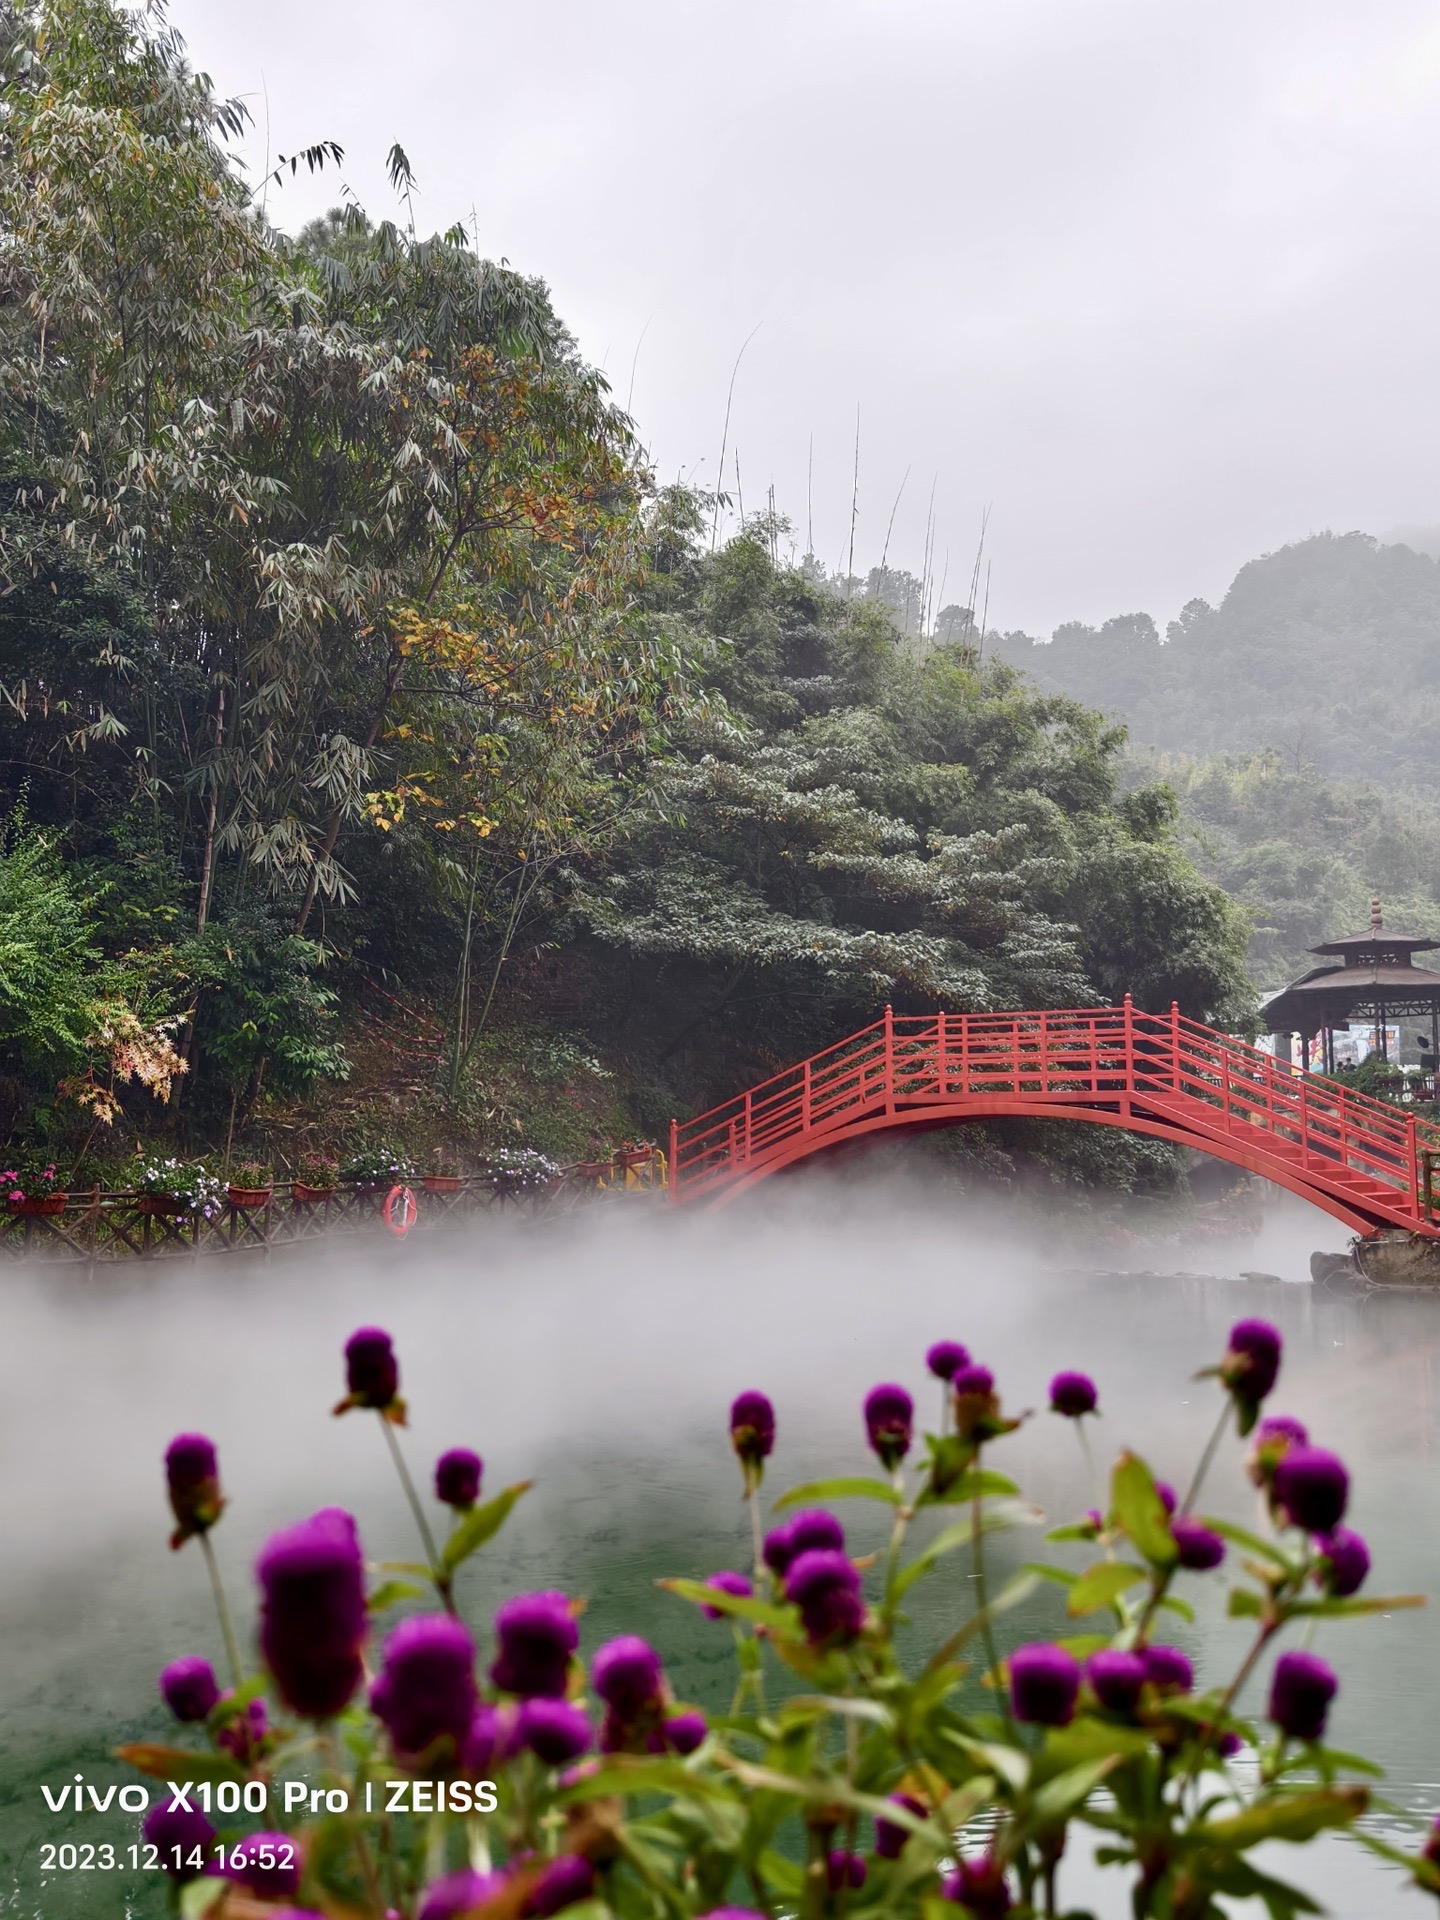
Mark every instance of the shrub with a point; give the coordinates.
(843, 1773)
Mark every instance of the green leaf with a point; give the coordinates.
(1172, 1603)
(1352, 1609)
(1102, 1585)
(1138, 1508)
(760, 1613)
(1252, 1542)
(391, 1592)
(978, 1480)
(1077, 1530)
(178, 1763)
(479, 1525)
(200, 1896)
(1061, 1576)
(627, 1773)
(1292, 1817)
(992, 1520)
(1059, 1797)
(1011, 1763)
(1245, 1605)
(1016, 1590)
(855, 1487)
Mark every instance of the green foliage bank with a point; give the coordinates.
(383, 752)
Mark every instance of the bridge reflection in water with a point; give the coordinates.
(1367, 1163)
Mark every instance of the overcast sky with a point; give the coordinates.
(1157, 283)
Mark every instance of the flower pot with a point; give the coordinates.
(248, 1198)
(304, 1196)
(442, 1183)
(167, 1204)
(370, 1186)
(39, 1204)
(631, 1159)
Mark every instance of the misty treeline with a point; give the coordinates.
(363, 697)
(1299, 724)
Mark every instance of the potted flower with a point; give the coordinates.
(29, 1187)
(374, 1169)
(513, 1170)
(315, 1177)
(251, 1184)
(443, 1177)
(174, 1186)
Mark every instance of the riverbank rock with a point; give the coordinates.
(1395, 1258)
(1336, 1273)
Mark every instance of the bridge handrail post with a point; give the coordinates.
(1044, 1053)
(672, 1172)
(1412, 1141)
(745, 1152)
(1129, 1045)
(942, 1059)
(1175, 1045)
(805, 1115)
(889, 1058)
(1304, 1125)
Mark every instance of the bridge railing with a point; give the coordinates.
(1089, 1056)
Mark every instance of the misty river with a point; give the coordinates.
(599, 1354)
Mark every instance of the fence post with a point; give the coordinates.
(889, 1058)
(672, 1172)
(1175, 1045)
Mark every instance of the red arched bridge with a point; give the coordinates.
(1367, 1163)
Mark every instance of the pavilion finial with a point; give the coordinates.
(1376, 921)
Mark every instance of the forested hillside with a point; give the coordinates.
(385, 758)
(1328, 650)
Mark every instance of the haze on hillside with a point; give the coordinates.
(1152, 283)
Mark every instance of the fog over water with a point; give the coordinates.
(598, 1354)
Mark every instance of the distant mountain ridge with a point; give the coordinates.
(1328, 649)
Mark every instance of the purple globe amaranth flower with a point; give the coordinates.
(189, 1689)
(752, 1432)
(778, 1549)
(1431, 1849)
(192, 1478)
(372, 1374)
(1228, 1745)
(1344, 1562)
(1312, 1489)
(1250, 1366)
(1167, 1496)
(1073, 1394)
(243, 1735)
(684, 1732)
(889, 1423)
(564, 1882)
(1044, 1682)
(1199, 1549)
(946, 1358)
(176, 1833)
(537, 1635)
(457, 1478)
(826, 1588)
(1167, 1669)
(979, 1886)
(1273, 1439)
(1301, 1690)
(890, 1837)
(1116, 1679)
(458, 1892)
(813, 1530)
(627, 1675)
(732, 1913)
(313, 1621)
(555, 1731)
(735, 1584)
(425, 1694)
(493, 1738)
(973, 1401)
(269, 1864)
(844, 1869)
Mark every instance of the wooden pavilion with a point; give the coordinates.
(1371, 978)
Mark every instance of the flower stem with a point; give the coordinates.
(227, 1625)
(1193, 1492)
(757, 1539)
(437, 1573)
(977, 1541)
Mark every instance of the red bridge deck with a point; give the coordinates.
(1366, 1163)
